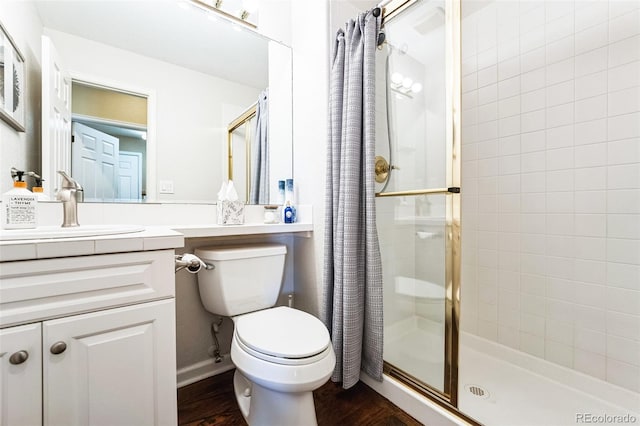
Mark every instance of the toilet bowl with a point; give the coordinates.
(281, 354)
(280, 368)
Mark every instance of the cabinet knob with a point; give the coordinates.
(19, 357)
(58, 347)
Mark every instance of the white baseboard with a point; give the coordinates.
(202, 370)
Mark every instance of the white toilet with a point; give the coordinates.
(281, 354)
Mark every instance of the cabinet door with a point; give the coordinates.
(114, 367)
(21, 375)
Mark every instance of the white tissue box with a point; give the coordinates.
(230, 212)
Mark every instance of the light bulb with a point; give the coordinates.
(416, 87)
(396, 78)
(407, 82)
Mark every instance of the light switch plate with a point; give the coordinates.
(166, 187)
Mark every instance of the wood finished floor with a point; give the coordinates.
(212, 402)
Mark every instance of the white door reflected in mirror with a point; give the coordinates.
(56, 117)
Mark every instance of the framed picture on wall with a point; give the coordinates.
(12, 93)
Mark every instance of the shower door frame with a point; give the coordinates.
(448, 397)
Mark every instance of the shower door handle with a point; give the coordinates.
(413, 192)
(381, 169)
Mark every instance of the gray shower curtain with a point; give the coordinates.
(260, 153)
(352, 301)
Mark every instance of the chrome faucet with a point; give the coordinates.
(70, 194)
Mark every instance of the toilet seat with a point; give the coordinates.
(282, 335)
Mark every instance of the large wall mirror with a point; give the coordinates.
(154, 87)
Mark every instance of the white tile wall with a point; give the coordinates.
(551, 181)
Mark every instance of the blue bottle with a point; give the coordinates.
(288, 213)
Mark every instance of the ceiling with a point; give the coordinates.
(174, 31)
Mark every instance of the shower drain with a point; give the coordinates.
(478, 391)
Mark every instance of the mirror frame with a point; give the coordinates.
(243, 119)
(150, 95)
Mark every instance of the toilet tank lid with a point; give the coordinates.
(240, 252)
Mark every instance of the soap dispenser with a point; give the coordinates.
(19, 205)
(37, 188)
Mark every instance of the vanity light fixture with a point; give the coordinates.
(216, 7)
(248, 7)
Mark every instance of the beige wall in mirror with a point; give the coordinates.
(196, 73)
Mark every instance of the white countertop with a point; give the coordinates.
(150, 238)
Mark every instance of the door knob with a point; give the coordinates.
(58, 347)
(19, 357)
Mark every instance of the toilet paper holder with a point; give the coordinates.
(191, 263)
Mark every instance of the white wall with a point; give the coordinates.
(310, 89)
(22, 149)
(274, 20)
(551, 181)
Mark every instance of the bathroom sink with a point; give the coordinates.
(46, 232)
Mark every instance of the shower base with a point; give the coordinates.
(498, 385)
(502, 386)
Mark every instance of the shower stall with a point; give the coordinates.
(508, 206)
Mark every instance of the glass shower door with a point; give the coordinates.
(413, 256)
(418, 202)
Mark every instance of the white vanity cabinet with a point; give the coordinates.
(89, 339)
(113, 367)
(21, 375)
(97, 368)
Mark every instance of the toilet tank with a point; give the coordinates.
(244, 278)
